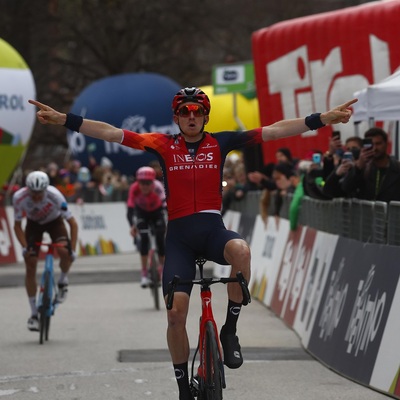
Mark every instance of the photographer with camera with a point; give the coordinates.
(344, 161)
(375, 175)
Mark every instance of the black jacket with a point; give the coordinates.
(373, 184)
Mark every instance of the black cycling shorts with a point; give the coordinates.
(34, 232)
(201, 234)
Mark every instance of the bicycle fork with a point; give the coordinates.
(206, 316)
(47, 285)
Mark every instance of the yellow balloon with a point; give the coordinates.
(17, 117)
(222, 116)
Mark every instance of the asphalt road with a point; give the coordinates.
(107, 342)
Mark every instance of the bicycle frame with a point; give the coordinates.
(207, 316)
(52, 292)
(200, 387)
(153, 265)
(46, 302)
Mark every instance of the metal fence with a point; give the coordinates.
(363, 220)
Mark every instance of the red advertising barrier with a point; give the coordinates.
(341, 296)
(7, 253)
(313, 63)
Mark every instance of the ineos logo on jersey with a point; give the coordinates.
(187, 158)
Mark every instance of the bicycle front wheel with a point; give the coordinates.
(213, 365)
(155, 278)
(44, 310)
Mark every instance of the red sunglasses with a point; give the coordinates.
(197, 110)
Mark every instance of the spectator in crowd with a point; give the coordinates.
(333, 154)
(375, 175)
(241, 186)
(65, 186)
(284, 155)
(313, 176)
(52, 171)
(342, 164)
(73, 168)
(263, 179)
(286, 180)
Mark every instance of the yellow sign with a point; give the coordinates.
(222, 116)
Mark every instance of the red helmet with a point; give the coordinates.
(145, 174)
(192, 95)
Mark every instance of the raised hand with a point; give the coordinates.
(47, 115)
(338, 114)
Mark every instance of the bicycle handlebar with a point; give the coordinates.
(52, 245)
(206, 282)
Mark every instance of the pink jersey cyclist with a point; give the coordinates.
(149, 202)
(146, 205)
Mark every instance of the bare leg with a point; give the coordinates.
(237, 253)
(178, 342)
(30, 276)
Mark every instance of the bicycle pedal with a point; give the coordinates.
(195, 386)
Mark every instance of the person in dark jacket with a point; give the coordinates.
(375, 175)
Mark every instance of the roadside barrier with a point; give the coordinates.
(335, 280)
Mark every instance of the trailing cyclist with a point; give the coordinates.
(192, 163)
(146, 210)
(45, 209)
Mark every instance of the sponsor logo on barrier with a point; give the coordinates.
(334, 304)
(5, 242)
(366, 316)
(93, 222)
(268, 246)
(7, 253)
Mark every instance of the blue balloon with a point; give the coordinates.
(139, 102)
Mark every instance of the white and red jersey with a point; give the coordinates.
(146, 202)
(48, 209)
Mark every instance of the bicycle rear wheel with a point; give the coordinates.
(213, 365)
(155, 278)
(45, 310)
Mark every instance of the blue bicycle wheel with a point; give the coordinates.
(45, 309)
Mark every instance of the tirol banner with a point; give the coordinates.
(354, 308)
(306, 65)
(17, 117)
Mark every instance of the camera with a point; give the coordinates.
(336, 134)
(348, 155)
(367, 143)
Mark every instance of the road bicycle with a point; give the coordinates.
(47, 297)
(154, 267)
(209, 381)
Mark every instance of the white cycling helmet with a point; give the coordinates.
(37, 181)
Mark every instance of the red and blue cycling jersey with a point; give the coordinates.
(192, 184)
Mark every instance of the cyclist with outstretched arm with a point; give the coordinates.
(146, 210)
(192, 163)
(45, 209)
